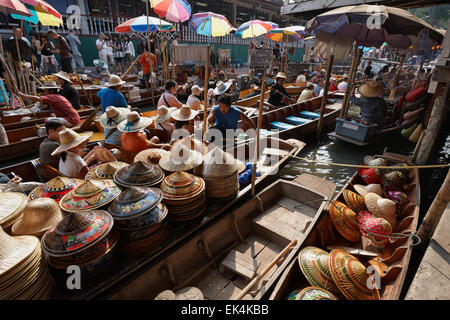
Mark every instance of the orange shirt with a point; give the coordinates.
(146, 64)
(134, 141)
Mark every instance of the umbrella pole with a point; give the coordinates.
(151, 60)
(349, 91)
(260, 111)
(325, 95)
(394, 81)
(205, 107)
(32, 73)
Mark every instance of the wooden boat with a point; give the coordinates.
(252, 101)
(293, 89)
(393, 261)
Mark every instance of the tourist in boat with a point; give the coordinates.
(278, 94)
(134, 138)
(318, 87)
(71, 152)
(109, 121)
(53, 126)
(111, 96)
(145, 60)
(168, 98)
(333, 86)
(257, 83)
(60, 106)
(67, 90)
(184, 118)
(307, 93)
(194, 99)
(235, 93)
(162, 124)
(342, 86)
(63, 49)
(372, 103)
(301, 79)
(221, 88)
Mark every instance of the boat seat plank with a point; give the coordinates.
(316, 184)
(281, 125)
(310, 115)
(253, 245)
(212, 284)
(270, 224)
(296, 206)
(241, 264)
(297, 121)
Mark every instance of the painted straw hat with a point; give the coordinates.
(55, 188)
(114, 81)
(152, 155)
(188, 293)
(164, 114)
(185, 113)
(345, 221)
(77, 232)
(375, 229)
(182, 185)
(371, 89)
(363, 190)
(222, 87)
(113, 116)
(134, 123)
(180, 158)
(350, 276)
(89, 195)
(69, 139)
(315, 293)
(135, 202)
(38, 216)
(11, 208)
(63, 75)
(381, 207)
(314, 264)
(139, 174)
(354, 200)
(147, 224)
(105, 170)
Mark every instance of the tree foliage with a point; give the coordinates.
(437, 16)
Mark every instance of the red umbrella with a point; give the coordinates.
(45, 6)
(14, 6)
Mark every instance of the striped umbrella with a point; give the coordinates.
(41, 12)
(283, 34)
(139, 24)
(210, 24)
(254, 28)
(14, 6)
(172, 10)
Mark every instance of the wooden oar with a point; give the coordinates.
(132, 65)
(89, 98)
(258, 129)
(87, 123)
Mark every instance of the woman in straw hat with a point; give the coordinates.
(111, 96)
(185, 118)
(71, 150)
(67, 91)
(372, 103)
(163, 126)
(110, 120)
(194, 99)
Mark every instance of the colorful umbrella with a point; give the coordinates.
(14, 6)
(283, 34)
(210, 24)
(172, 10)
(254, 28)
(41, 12)
(139, 24)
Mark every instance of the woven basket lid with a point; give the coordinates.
(89, 195)
(372, 161)
(152, 155)
(11, 207)
(395, 178)
(139, 174)
(350, 276)
(15, 251)
(313, 262)
(381, 207)
(345, 221)
(182, 185)
(180, 158)
(189, 293)
(135, 201)
(55, 188)
(105, 170)
(166, 295)
(38, 216)
(218, 163)
(77, 232)
(374, 228)
(354, 201)
(363, 190)
(315, 293)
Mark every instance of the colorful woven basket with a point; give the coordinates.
(105, 170)
(139, 174)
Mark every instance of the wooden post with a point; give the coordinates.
(350, 81)
(205, 107)
(258, 128)
(89, 98)
(21, 76)
(325, 94)
(148, 44)
(34, 78)
(394, 81)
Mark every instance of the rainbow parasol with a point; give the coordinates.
(139, 24)
(254, 28)
(210, 24)
(41, 12)
(172, 10)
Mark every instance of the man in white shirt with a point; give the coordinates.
(301, 79)
(342, 86)
(102, 48)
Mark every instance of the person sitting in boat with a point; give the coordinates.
(168, 98)
(194, 99)
(318, 87)
(222, 77)
(59, 105)
(278, 94)
(109, 121)
(307, 93)
(53, 126)
(368, 70)
(101, 71)
(383, 74)
(333, 86)
(134, 138)
(257, 83)
(184, 118)
(301, 79)
(234, 91)
(162, 124)
(372, 103)
(67, 90)
(342, 86)
(112, 96)
(71, 152)
(221, 88)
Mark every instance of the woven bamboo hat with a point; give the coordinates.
(350, 276)
(69, 139)
(89, 195)
(188, 293)
(11, 208)
(185, 113)
(139, 174)
(63, 75)
(164, 114)
(114, 81)
(38, 216)
(354, 201)
(152, 155)
(314, 264)
(315, 293)
(218, 163)
(134, 123)
(375, 229)
(381, 207)
(281, 75)
(371, 89)
(193, 144)
(182, 185)
(180, 159)
(345, 221)
(363, 190)
(55, 188)
(113, 116)
(105, 170)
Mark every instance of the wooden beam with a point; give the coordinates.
(325, 95)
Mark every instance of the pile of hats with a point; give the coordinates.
(84, 239)
(141, 218)
(414, 107)
(11, 208)
(105, 170)
(139, 173)
(24, 273)
(181, 158)
(152, 155)
(184, 195)
(55, 188)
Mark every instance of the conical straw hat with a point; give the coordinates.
(345, 221)
(55, 188)
(218, 163)
(363, 190)
(180, 159)
(134, 202)
(105, 170)
(152, 155)
(354, 201)
(38, 216)
(139, 173)
(182, 185)
(11, 207)
(315, 293)
(374, 228)
(193, 144)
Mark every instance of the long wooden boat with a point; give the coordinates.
(252, 101)
(392, 261)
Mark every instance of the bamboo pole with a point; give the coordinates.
(205, 107)
(89, 98)
(34, 77)
(394, 81)
(351, 84)
(21, 76)
(325, 94)
(131, 67)
(14, 75)
(350, 81)
(148, 44)
(27, 78)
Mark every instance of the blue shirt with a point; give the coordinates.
(229, 120)
(317, 89)
(111, 97)
(113, 138)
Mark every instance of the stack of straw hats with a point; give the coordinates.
(181, 158)
(152, 155)
(55, 188)
(105, 170)
(85, 239)
(141, 218)
(24, 272)
(139, 173)
(184, 196)
(11, 208)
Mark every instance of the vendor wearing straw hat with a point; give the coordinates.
(134, 138)
(111, 96)
(71, 150)
(278, 94)
(372, 103)
(57, 103)
(67, 91)
(194, 99)
(162, 123)
(110, 120)
(185, 118)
